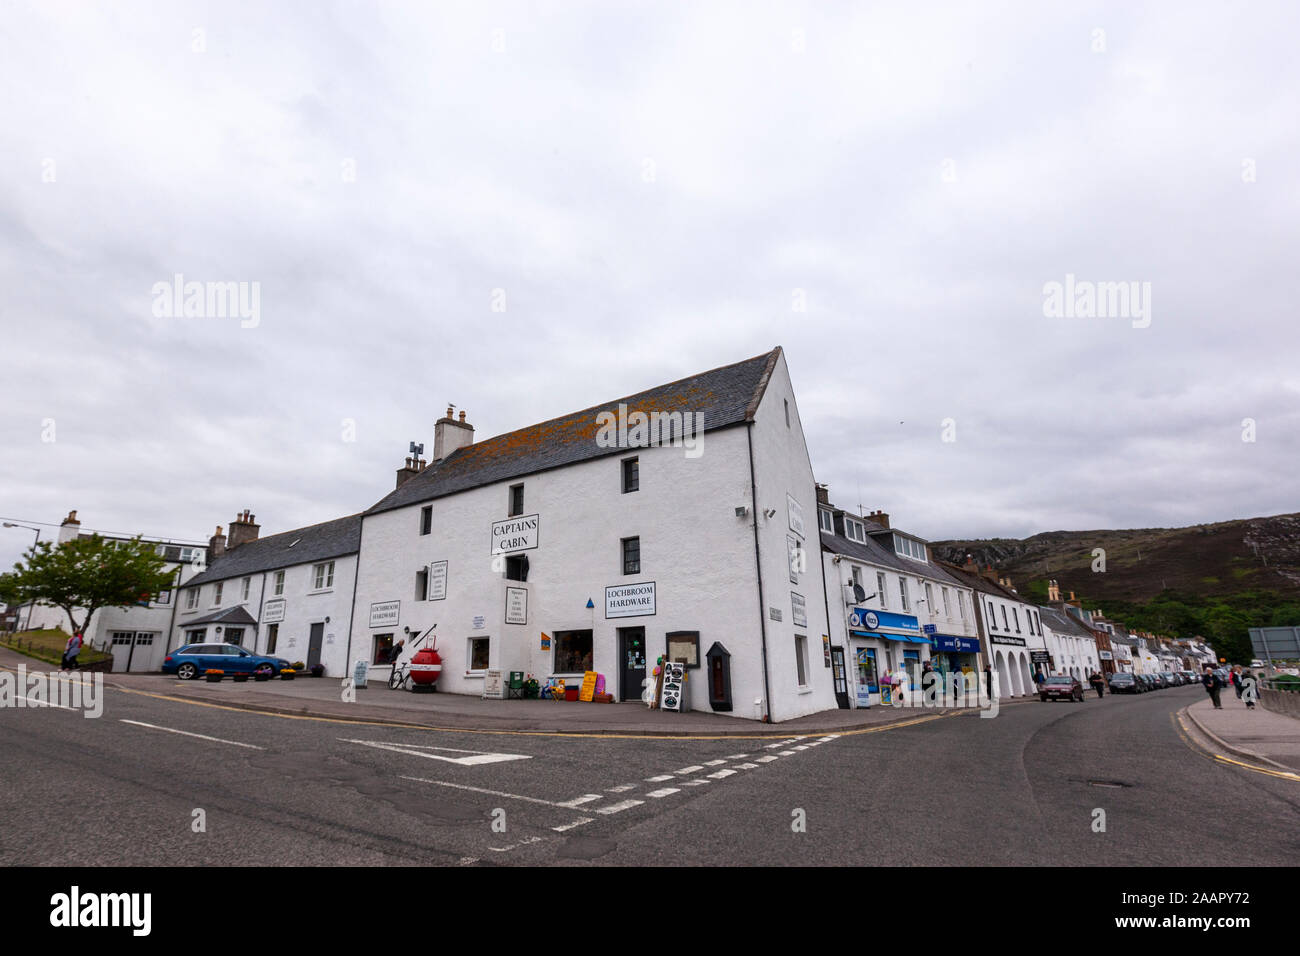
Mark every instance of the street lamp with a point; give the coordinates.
(10, 524)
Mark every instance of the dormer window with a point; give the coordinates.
(855, 531)
(909, 547)
(825, 521)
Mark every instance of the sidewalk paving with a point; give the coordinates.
(323, 697)
(1256, 734)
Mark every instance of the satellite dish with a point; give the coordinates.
(859, 595)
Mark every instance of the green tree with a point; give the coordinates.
(86, 574)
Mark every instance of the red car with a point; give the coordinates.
(1057, 688)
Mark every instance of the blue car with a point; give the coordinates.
(192, 660)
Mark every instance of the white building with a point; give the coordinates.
(594, 542)
(289, 594)
(1011, 629)
(136, 635)
(1072, 647)
(891, 608)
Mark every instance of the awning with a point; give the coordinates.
(891, 637)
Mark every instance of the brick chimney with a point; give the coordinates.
(243, 530)
(1053, 592)
(217, 544)
(880, 518)
(823, 495)
(450, 434)
(412, 468)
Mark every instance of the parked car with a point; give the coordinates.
(1169, 679)
(1058, 688)
(1125, 683)
(193, 660)
(1148, 682)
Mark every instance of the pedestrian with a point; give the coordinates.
(1235, 676)
(958, 686)
(1038, 678)
(1249, 688)
(70, 652)
(1212, 683)
(1098, 683)
(395, 652)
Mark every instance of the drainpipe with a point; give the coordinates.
(758, 563)
(826, 603)
(352, 612)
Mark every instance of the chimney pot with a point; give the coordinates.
(462, 415)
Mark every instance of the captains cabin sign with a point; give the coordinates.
(515, 534)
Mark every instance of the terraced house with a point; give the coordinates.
(674, 522)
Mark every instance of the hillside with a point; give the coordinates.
(1211, 560)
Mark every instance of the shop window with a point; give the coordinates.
(426, 519)
(477, 654)
(233, 635)
(383, 647)
(517, 567)
(631, 475)
(684, 646)
(573, 652)
(516, 501)
(196, 636)
(631, 555)
(801, 658)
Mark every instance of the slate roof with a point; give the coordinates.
(875, 553)
(1062, 623)
(724, 396)
(981, 583)
(318, 542)
(231, 615)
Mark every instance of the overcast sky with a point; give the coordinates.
(658, 188)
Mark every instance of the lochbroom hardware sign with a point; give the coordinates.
(385, 613)
(630, 600)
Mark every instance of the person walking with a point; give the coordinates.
(1235, 676)
(1249, 688)
(1098, 683)
(1212, 683)
(70, 652)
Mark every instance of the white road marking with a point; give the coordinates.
(768, 759)
(622, 788)
(786, 753)
(569, 826)
(801, 747)
(738, 756)
(746, 766)
(467, 860)
(45, 703)
(690, 769)
(698, 782)
(665, 792)
(771, 746)
(477, 756)
(722, 773)
(186, 733)
(620, 807)
(830, 737)
(659, 779)
(494, 793)
(714, 763)
(579, 801)
(503, 849)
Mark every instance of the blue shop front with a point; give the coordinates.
(888, 651)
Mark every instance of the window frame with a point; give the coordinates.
(623, 554)
(801, 661)
(693, 637)
(218, 590)
(426, 520)
(322, 569)
(278, 583)
(515, 500)
(470, 669)
(630, 475)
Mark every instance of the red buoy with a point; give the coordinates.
(426, 666)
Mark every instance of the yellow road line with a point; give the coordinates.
(535, 733)
(1186, 732)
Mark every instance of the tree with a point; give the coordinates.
(86, 574)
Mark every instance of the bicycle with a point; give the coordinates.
(400, 677)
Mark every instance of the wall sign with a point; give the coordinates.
(795, 554)
(872, 620)
(546, 641)
(516, 605)
(630, 600)
(1104, 655)
(795, 511)
(798, 610)
(385, 613)
(273, 611)
(515, 534)
(774, 613)
(438, 581)
(479, 622)
(826, 648)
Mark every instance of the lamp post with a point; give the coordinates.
(10, 524)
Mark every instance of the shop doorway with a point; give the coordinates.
(840, 677)
(313, 645)
(631, 657)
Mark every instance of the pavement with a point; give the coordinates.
(1256, 734)
(376, 703)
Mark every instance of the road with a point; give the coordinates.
(1023, 788)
